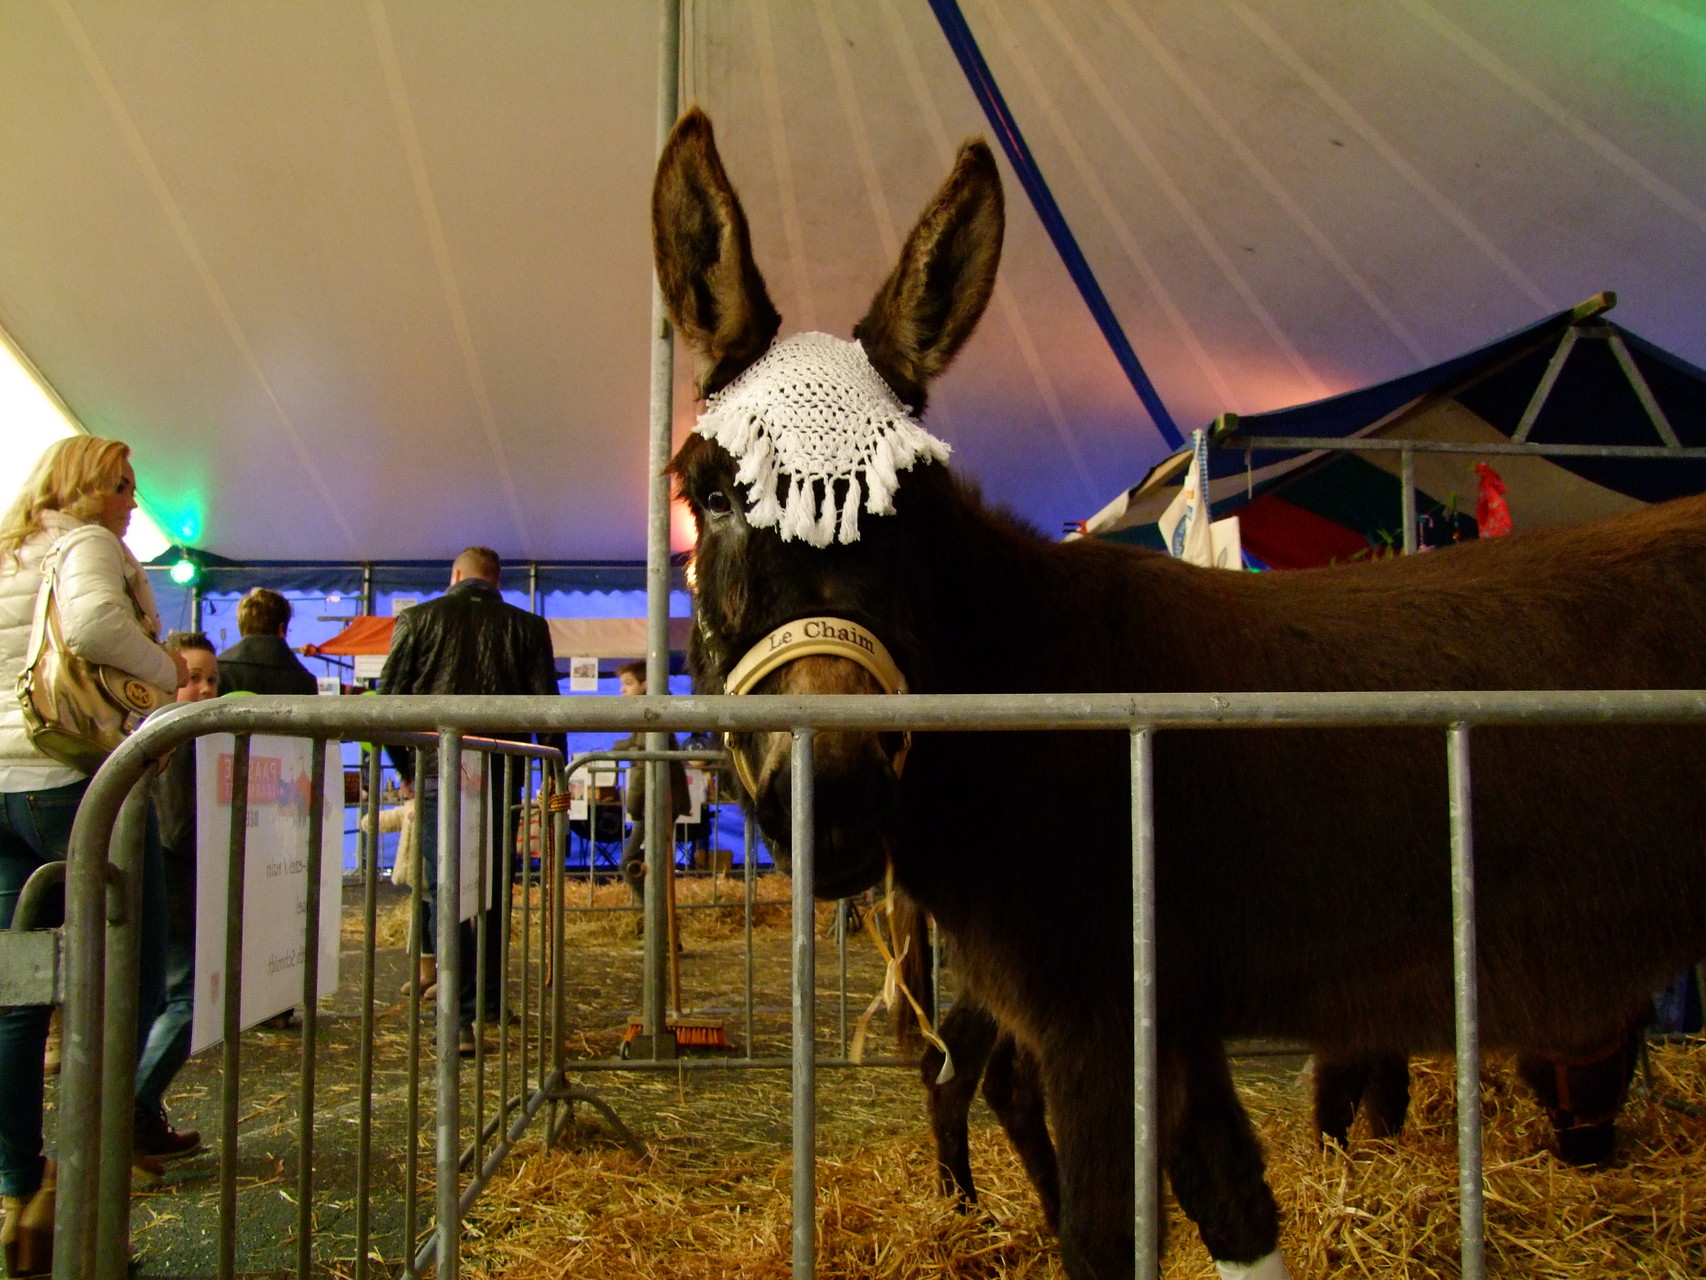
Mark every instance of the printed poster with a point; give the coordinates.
(583, 675)
(275, 882)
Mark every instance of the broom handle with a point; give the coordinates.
(674, 944)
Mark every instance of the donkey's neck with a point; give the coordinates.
(1019, 613)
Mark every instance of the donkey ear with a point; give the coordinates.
(933, 299)
(710, 283)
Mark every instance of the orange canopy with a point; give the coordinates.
(570, 637)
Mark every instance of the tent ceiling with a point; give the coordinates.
(372, 280)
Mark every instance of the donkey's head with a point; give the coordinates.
(811, 482)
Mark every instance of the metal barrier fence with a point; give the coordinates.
(100, 1022)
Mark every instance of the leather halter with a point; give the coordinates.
(814, 637)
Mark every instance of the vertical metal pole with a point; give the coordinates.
(748, 872)
(484, 891)
(533, 586)
(1469, 1180)
(230, 1074)
(522, 834)
(195, 607)
(412, 1102)
(1407, 473)
(935, 970)
(559, 923)
(364, 1079)
(449, 954)
(805, 1014)
(656, 902)
(310, 1011)
(657, 816)
(841, 975)
(1146, 1119)
(118, 1064)
(79, 1083)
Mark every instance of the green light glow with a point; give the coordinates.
(185, 572)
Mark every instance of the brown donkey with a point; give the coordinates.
(1302, 884)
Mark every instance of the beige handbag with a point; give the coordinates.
(76, 711)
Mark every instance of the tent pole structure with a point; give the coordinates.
(659, 819)
(369, 604)
(1407, 469)
(533, 586)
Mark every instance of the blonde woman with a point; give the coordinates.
(81, 482)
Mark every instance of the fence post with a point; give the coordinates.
(236, 875)
(311, 1008)
(118, 1062)
(805, 1013)
(1469, 1176)
(1145, 1121)
(448, 952)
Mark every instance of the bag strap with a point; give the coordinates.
(44, 599)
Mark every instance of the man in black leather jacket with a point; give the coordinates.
(469, 641)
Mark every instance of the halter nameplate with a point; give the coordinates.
(814, 637)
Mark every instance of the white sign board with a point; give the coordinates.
(472, 825)
(604, 776)
(369, 666)
(275, 881)
(583, 675)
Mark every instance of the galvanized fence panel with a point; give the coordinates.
(101, 1006)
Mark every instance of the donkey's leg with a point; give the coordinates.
(1214, 1160)
(1584, 1094)
(968, 1031)
(1339, 1085)
(1013, 1087)
(1089, 1096)
(1387, 1102)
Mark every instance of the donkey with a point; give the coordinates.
(1302, 885)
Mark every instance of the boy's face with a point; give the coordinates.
(204, 676)
(632, 683)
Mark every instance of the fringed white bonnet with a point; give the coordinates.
(810, 412)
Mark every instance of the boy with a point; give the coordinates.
(168, 1039)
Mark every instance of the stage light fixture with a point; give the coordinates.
(185, 572)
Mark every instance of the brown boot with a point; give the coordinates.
(26, 1237)
(428, 979)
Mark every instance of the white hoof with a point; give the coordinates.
(1271, 1267)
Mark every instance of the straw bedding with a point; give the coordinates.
(714, 1198)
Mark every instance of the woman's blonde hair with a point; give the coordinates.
(73, 475)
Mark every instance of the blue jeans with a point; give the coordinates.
(167, 1047)
(35, 828)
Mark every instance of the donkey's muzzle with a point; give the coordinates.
(853, 811)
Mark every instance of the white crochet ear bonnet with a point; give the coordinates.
(811, 412)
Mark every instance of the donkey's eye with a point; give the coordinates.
(717, 502)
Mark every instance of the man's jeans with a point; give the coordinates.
(500, 871)
(35, 828)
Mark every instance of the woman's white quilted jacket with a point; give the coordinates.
(99, 624)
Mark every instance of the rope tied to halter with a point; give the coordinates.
(893, 950)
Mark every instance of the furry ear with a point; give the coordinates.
(703, 253)
(936, 294)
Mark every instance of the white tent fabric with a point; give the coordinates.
(372, 280)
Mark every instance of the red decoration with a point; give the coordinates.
(1492, 516)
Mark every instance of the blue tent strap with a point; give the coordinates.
(964, 45)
